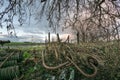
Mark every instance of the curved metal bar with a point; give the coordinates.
(80, 70)
(55, 67)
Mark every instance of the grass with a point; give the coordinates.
(107, 54)
(22, 43)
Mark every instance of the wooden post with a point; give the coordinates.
(78, 39)
(58, 38)
(68, 38)
(49, 37)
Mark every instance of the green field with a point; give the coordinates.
(22, 43)
(59, 61)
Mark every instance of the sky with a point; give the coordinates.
(31, 31)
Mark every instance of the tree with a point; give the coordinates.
(85, 17)
(100, 13)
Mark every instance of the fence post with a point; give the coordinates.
(78, 39)
(58, 38)
(49, 37)
(68, 39)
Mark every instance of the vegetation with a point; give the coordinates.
(86, 61)
(22, 43)
(95, 56)
(94, 20)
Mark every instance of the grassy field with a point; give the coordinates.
(62, 61)
(22, 43)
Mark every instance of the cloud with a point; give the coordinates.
(25, 37)
(34, 35)
(33, 32)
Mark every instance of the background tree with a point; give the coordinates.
(86, 15)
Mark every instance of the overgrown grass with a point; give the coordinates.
(107, 54)
(22, 43)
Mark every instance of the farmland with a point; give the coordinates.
(59, 61)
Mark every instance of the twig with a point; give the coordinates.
(21, 77)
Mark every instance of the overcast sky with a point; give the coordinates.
(36, 32)
(33, 32)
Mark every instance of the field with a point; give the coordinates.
(60, 61)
